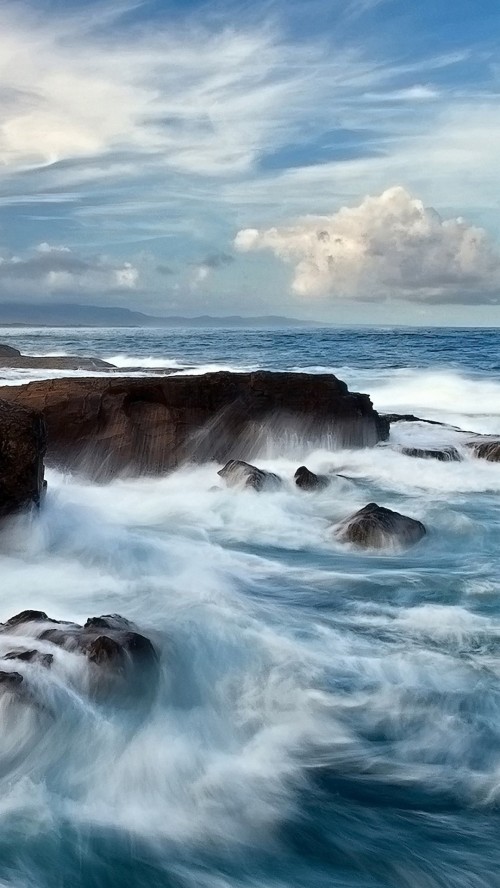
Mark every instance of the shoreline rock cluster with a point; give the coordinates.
(372, 527)
(12, 359)
(107, 426)
(120, 659)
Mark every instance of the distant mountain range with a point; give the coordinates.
(67, 315)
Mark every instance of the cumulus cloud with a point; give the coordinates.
(389, 245)
(53, 269)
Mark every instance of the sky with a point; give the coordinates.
(333, 160)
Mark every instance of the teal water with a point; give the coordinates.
(324, 717)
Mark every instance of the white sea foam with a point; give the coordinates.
(287, 660)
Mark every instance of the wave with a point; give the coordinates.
(305, 689)
(323, 716)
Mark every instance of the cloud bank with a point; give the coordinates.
(388, 246)
(50, 270)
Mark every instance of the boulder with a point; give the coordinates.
(443, 454)
(22, 449)
(26, 616)
(121, 660)
(237, 473)
(489, 449)
(376, 527)
(104, 650)
(10, 681)
(7, 351)
(106, 426)
(307, 480)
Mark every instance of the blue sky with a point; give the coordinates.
(331, 159)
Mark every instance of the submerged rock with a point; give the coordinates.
(375, 527)
(110, 643)
(307, 480)
(237, 473)
(150, 425)
(32, 656)
(99, 637)
(443, 454)
(409, 417)
(22, 449)
(10, 679)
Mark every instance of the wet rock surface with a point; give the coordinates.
(488, 449)
(113, 425)
(443, 454)
(375, 527)
(9, 680)
(30, 656)
(237, 473)
(12, 358)
(7, 351)
(410, 417)
(307, 480)
(22, 448)
(123, 659)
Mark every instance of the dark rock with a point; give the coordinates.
(104, 650)
(139, 647)
(443, 454)
(27, 616)
(10, 680)
(30, 657)
(123, 664)
(489, 449)
(7, 351)
(409, 417)
(110, 425)
(393, 418)
(307, 480)
(237, 473)
(68, 638)
(29, 362)
(108, 621)
(22, 449)
(375, 527)
(119, 634)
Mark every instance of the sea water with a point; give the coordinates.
(325, 716)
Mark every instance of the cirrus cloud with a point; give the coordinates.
(389, 245)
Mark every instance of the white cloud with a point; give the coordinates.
(417, 93)
(201, 274)
(51, 269)
(200, 97)
(390, 245)
(127, 276)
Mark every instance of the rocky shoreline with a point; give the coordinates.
(106, 427)
(12, 359)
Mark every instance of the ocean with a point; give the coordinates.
(326, 717)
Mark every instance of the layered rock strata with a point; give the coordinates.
(107, 426)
